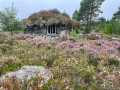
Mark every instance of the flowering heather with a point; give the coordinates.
(75, 64)
(64, 37)
(72, 39)
(17, 36)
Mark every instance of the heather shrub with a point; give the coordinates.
(64, 37)
(21, 36)
(72, 39)
(118, 47)
(10, 42)
(5, 47)
(10, 84)
(74, 75)
(113, 61)
(51, 60)
(1, 39)
(93, 59)
(9, 64)
(75, 64)
(92, 37)
(109, 82)
(35, 83)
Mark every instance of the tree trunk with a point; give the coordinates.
(87, 22)
(11, 32)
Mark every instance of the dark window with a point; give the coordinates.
(53, 28)
(49, 29)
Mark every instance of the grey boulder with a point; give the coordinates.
(28, 72)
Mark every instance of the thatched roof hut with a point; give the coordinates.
(50, 17)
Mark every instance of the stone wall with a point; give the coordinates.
(46, 37)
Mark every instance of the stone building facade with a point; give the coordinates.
(50, 22)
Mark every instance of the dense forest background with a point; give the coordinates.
(88, 16)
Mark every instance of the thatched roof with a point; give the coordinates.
(50, 17)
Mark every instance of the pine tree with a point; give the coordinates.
(116, 16)
(76, 15)
(89, 10)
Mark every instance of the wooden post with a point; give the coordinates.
(47, 29)
(50, 29)
(55, 29)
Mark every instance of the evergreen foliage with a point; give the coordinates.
(76, 15)
(89, 10)
(116, 16)
(113, 27)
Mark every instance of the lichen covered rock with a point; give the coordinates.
(28, 72)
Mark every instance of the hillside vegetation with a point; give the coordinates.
(75, 64)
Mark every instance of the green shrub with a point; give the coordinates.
(117, 27)
(9, 65)
(98, 29)
(106, 36)
(113, 27)
(109, 29)
(87, 30)
(74, 34)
